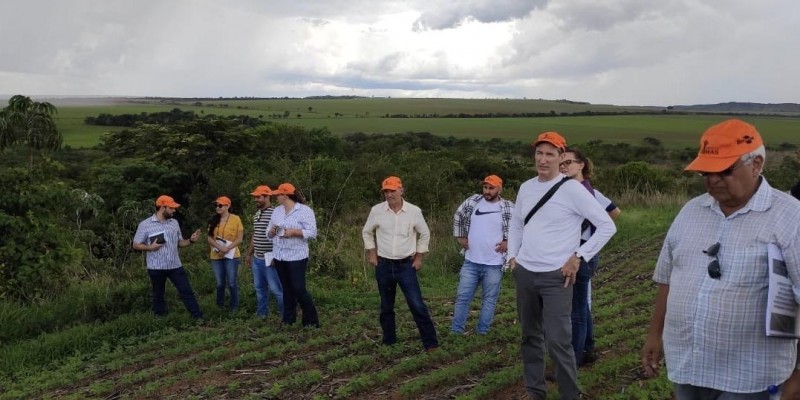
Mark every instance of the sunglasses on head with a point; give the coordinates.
(713, 267)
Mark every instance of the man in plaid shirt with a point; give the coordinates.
(481, 228)
(713, 277)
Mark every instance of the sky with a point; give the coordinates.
(623, 52)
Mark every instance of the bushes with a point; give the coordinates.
(639, 177)
(786, 171)
(37, 251)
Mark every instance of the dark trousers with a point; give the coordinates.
(545, 305)
(689, 392)
(158, 279)
(293, 280)
(389, 274)
(581, 316)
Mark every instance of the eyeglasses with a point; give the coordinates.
(724, 173)
(567, 163)
(713, 267)
(220, 205)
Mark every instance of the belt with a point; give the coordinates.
(396, 261)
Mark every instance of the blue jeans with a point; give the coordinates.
(581, 316)
(266, 280)
(389, 274)
(293, 281)
(473, 274)
(158, 279)
(226, 270)
(594, 263)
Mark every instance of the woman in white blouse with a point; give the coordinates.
(292, 225)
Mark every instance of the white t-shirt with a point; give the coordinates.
(485, 232)
(554, 232)
(605, 202)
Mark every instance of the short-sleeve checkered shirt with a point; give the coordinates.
(714, 329)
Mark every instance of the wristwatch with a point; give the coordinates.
(580, 258)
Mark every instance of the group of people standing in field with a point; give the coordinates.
(710, 325)
(549, 254)
(278, 253)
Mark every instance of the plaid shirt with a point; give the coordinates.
(714, 329)
(463, 215)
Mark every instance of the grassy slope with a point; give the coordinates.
(136, 356)
(676, 131)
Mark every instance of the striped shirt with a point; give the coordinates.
(261, 243)
(166, 257)
(293, 248)
(714, 329)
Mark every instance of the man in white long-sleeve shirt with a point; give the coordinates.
(545, 254)
(395, 238)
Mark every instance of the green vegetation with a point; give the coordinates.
(346, 116)
(242, 356)
(75, 299)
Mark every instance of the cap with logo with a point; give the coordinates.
(284, 188)
(262, 190)
(223, 201)
(553, 138)
(391, 183)
(493, 180)
(167, 201)
(723, 144)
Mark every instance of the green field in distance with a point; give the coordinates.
(343, 116)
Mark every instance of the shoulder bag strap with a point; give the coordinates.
(544, 198)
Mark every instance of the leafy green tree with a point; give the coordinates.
(29, 122)
(5, 136)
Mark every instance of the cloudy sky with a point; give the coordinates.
(625, 52)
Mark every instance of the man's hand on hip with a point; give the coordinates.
(570, 269)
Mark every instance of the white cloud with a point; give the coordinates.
(444, 15)
(615, 51)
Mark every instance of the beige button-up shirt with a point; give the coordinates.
(399, 235)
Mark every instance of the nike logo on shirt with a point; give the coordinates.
(479, 212)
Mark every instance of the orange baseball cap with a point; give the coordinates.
(391, 183)
(262, 190)
(165, 200)
(493, 180)
(225, 201)
(284, 188)
(553, 138)
(724, 143)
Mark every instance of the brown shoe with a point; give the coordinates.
(432, 349)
